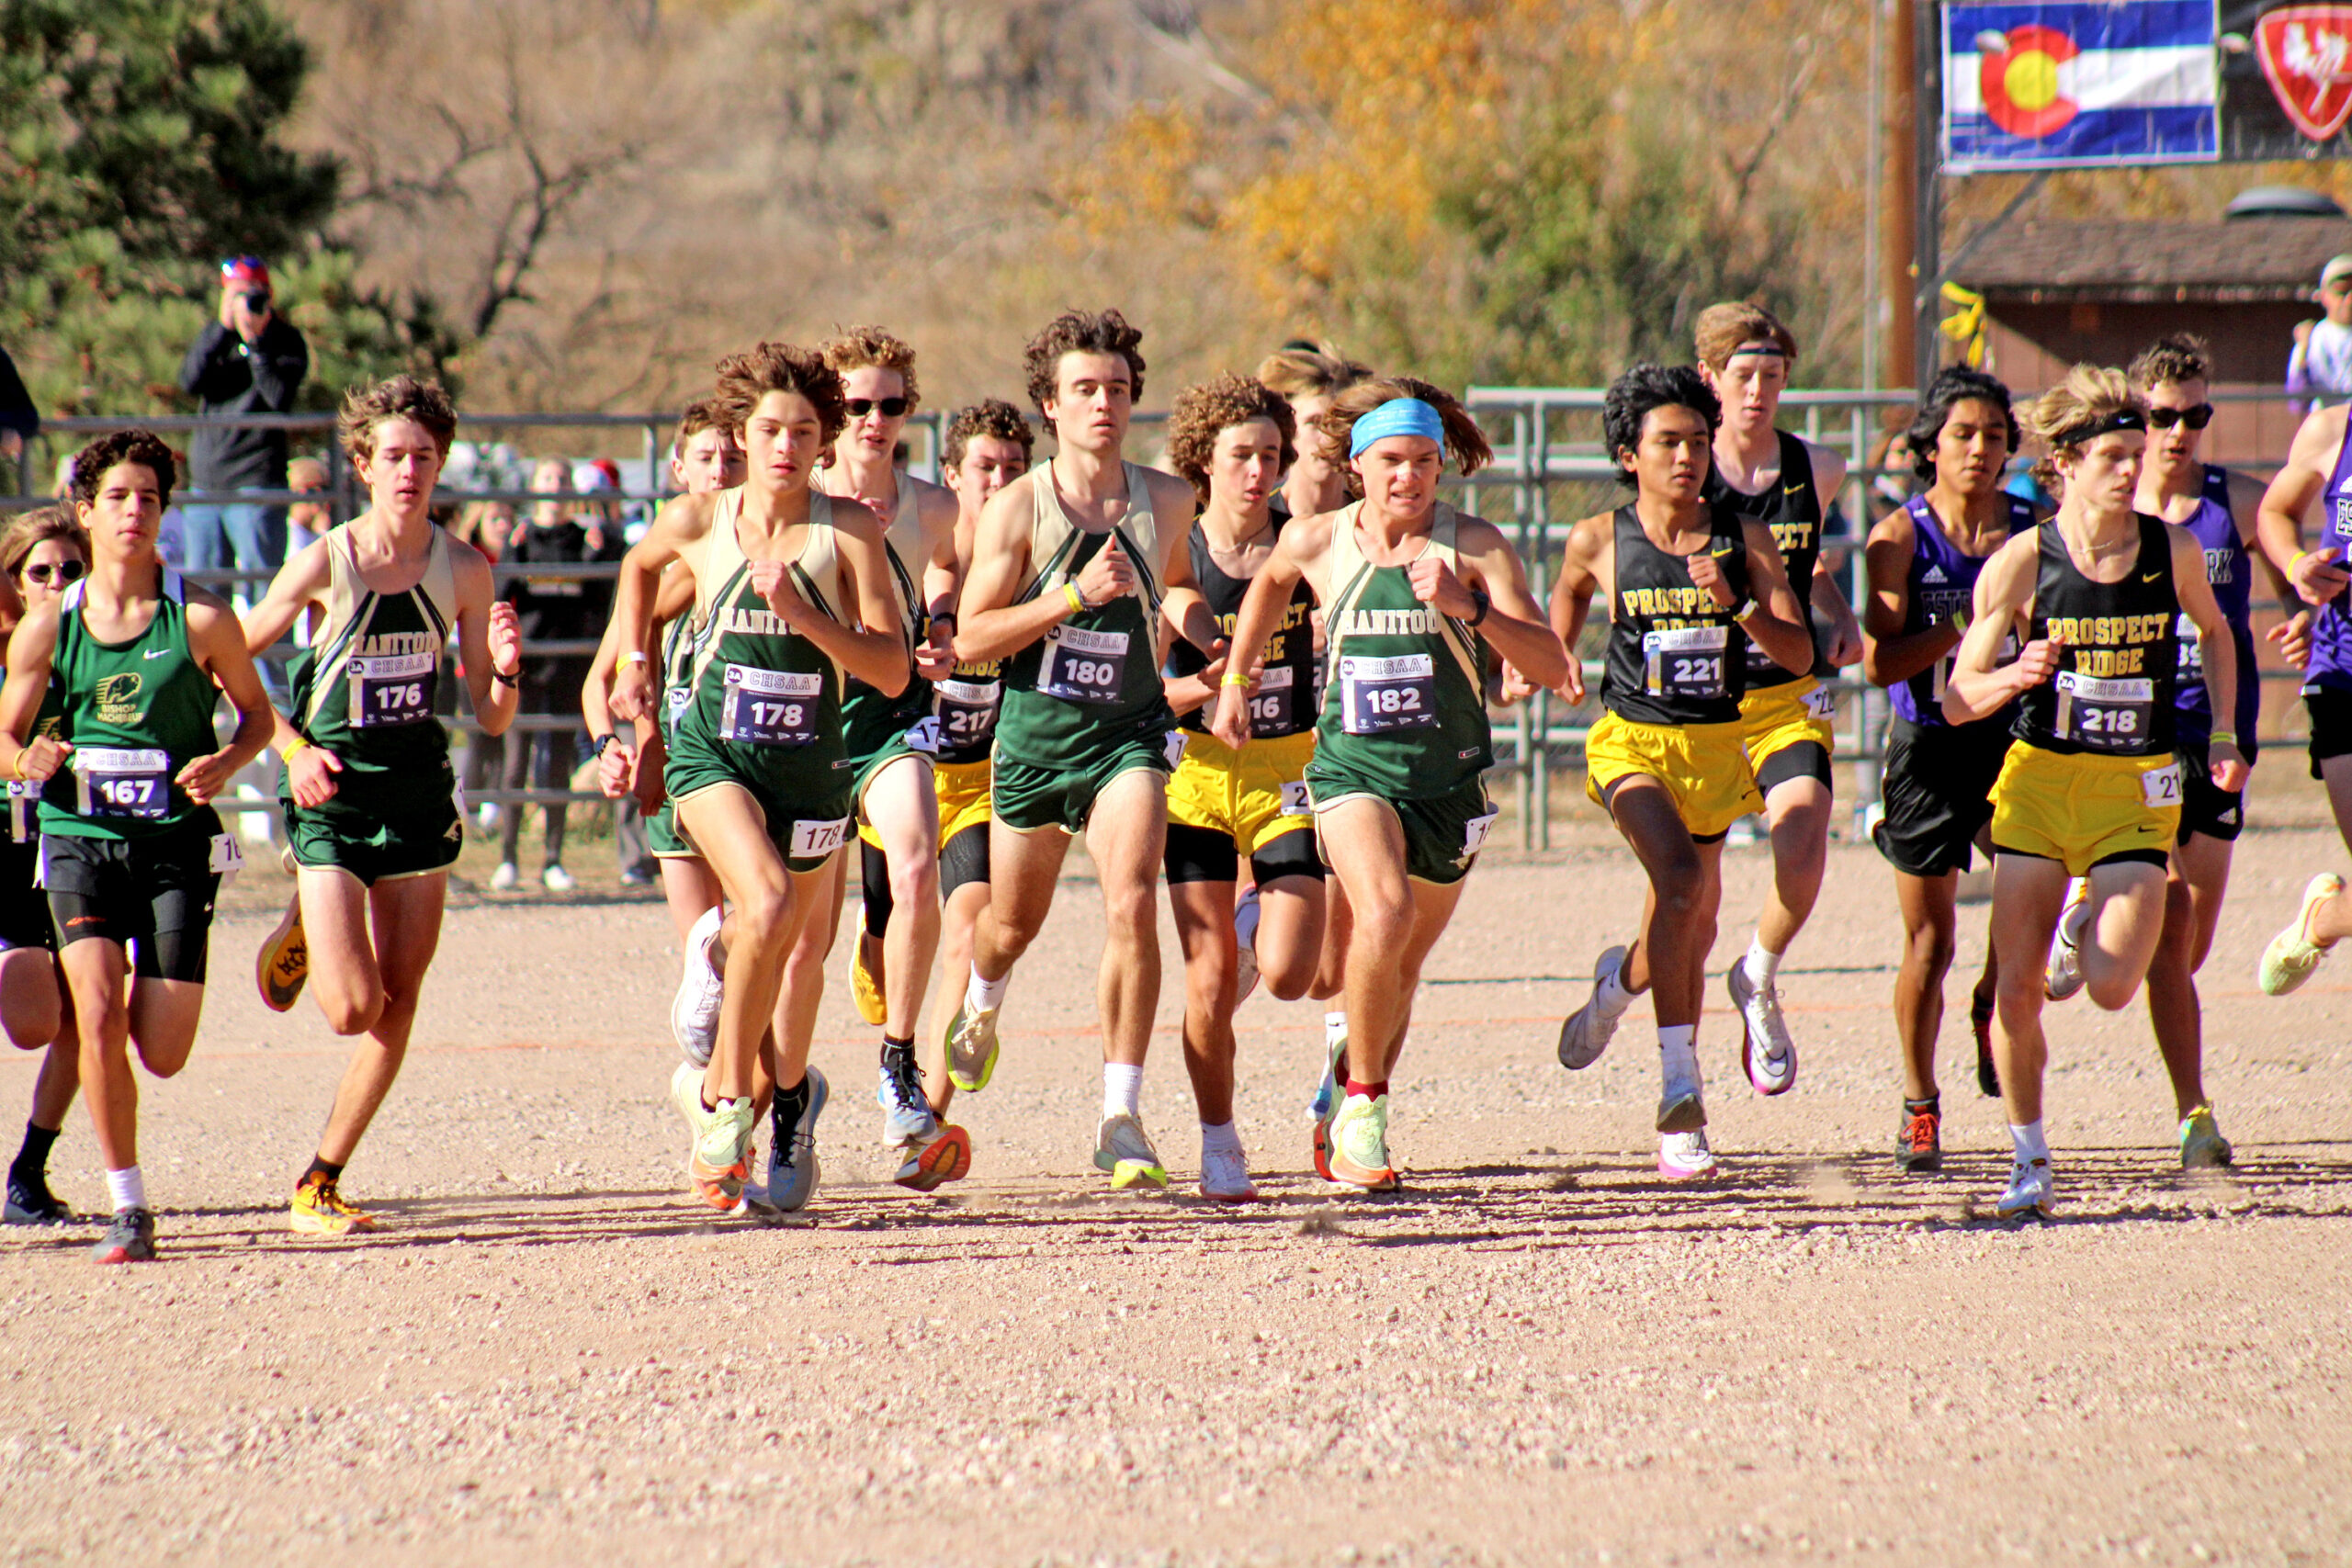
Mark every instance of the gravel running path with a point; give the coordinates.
(1539, 1352)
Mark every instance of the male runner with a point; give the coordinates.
(1691, 586)
(1787, 483)
(131, 851)
(2091, 787)
(2220, 510)
(890, 743)
(1413, 594)
(42, 555)
(2318, 466)
(373, 810)
(1309, 375)
(986, 448)
(1233, 437)
(1924, 558)
(1074, 567)
(786, 582)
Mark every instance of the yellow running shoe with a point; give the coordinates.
(320, 1210)
(1123, 1148)
(2291, 956)
(284, 962)
(2202, 1147)
(971, 1048)
(865, 987)
(1359, 1144)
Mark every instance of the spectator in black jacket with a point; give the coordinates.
(552, 609)
(249, 359)
(19, 421)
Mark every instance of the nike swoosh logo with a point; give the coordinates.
(2150, 577)
(157, 652)
(1791, 489)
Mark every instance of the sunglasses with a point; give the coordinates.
(67, 571)
(891, 406)
(2196, 418)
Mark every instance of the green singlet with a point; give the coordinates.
(135, 713)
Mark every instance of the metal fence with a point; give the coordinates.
(1550, 469)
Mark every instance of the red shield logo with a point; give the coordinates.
(2306, 55)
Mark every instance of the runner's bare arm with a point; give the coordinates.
(678, 533)
(1776, 625)
(2217, 648)
(1586, 567)
(1891, 654)
(676, 591)
(1978, 688)
(299, 584)
(988, 624)
(1261, 610)
(217, 641)
(30, 648)
(936, 508)
(490, 639)
(2294, 635)
(1829, 605)
(1515, 625)
(1181, 602)
(879, 658)
(2318, 575)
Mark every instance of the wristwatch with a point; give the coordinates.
(1484, 602)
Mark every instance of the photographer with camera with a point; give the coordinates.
(249, 359)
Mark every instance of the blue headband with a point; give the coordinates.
(1397, 416)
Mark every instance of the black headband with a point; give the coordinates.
(2121, 419)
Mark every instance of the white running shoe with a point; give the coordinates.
(1225, 1176)
(2291, 956)
(1774, 1069)
(1588, 1031)
(2062, 977)
(2031, 1191)
(1681, 1107)
(1683, 1155)
(693, 1013)
(1245, 938)
(503, 879)
(555, 879)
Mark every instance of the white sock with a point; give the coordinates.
(127, 1188)
(1678, 1052)
(1335, 1029)
(2029, 1144)
(1612, 997)
(1219, 1139)
(1122, 1090)
(985, 995)
(1762, 966)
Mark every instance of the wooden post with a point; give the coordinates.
(1899, 199)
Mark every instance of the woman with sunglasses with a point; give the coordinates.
(44, 553)
(2219, 508)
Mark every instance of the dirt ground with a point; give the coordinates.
(1539, 1352)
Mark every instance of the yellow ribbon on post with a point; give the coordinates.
(1965, 325)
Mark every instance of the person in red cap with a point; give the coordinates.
(248, 360)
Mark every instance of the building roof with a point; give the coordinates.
(2244, 259)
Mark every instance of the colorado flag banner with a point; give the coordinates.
(2080, 85)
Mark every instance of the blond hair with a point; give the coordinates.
(855, 349)
(2076, 410)
(1310, 370)
(1724, 330)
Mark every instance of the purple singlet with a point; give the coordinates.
(2229, 569)
(1942, 580)
(2330, 669)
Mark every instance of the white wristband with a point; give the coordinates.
(636, 656)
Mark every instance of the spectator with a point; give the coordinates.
(551, 609)
(2321, 367)
(19, 421)
(487, 526)
(248, 360)
(307, 521)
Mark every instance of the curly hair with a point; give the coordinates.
(744, 378)
(1208, 409)
(2058, 419)
(25, 532)
(1955, 384)
(992, 417)
(1079, 332)
(700, 415)
(854, 348)
(403, 397)
(2175, 358)
(1645, 387)
(143, 448)
(1464, 442)
(1722, 328)
(1304, 370)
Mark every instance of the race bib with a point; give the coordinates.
(393, 689)
(1295, 801)
(1821, 703)
(674, 703)
(2161, 786)
(966, 712)
(2189, 669)
(22, 798)
(1171, 745)
(110, 781)
(923, 736)
(770, 707)
(1474, 831)
(1083, 666)
(811, 840)
(228, 856)
(1380, 695)
(1686, 662)
(2106, 716)
(1273, 709)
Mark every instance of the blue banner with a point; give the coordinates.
(2080, 84)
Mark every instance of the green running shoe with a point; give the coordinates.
(2202, 1147)
(2291, 956)
(1123, 1148)
(1359, 1140)
(971, 1046)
